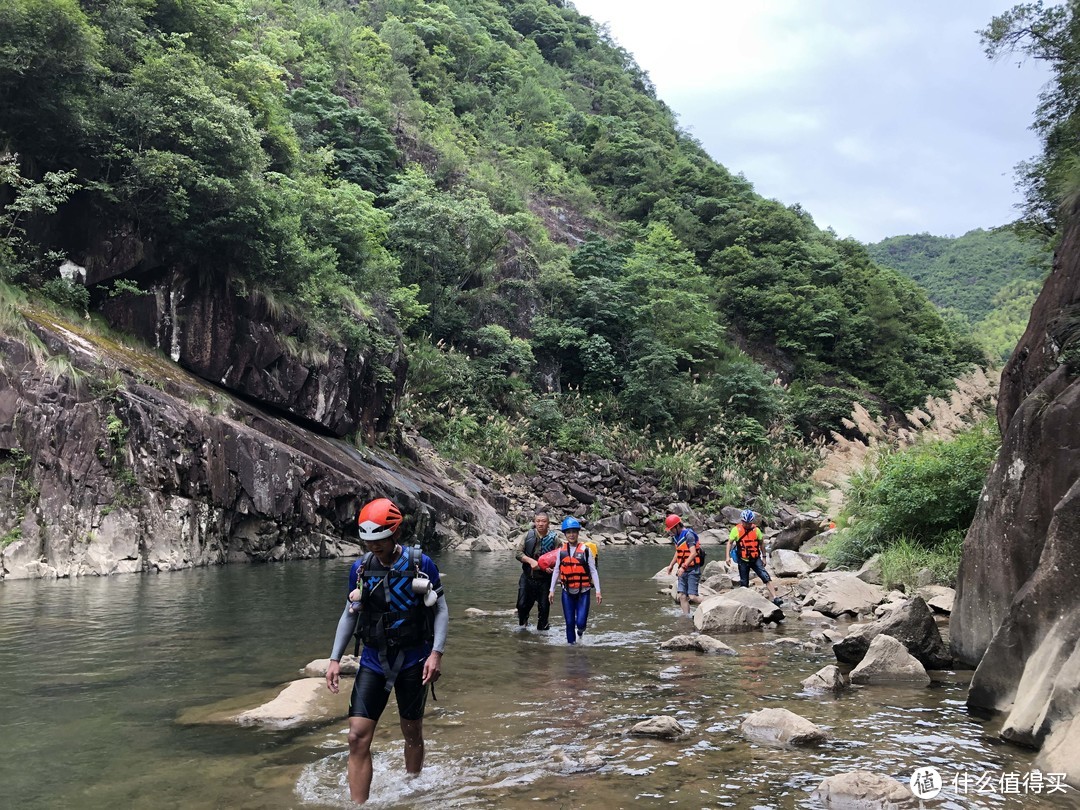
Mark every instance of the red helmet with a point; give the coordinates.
(378, 520)
(672, 521)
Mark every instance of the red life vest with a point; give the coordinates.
(574, 568)
(748, 542)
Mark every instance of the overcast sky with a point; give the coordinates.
(880, 118)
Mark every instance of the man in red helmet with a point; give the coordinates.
(688, 558)
(397, 609)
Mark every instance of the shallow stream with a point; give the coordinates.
(94, 674)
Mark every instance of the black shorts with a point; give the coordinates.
(369, 695)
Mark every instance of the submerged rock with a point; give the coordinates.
(661, 726)
(863, 790)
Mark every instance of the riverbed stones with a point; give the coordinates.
(661, 726)
(780, 728)
(912, 624)
(699, 643)
(737, 610)
(888, 661)
(863, 790)
(826, 679)
(839, 593)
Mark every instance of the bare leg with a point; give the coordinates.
(361, 731)
(684, 602)
(413, 731)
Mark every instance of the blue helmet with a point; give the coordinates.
(747, 516)
(570, 523)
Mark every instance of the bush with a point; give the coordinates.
(926, 494)
(902, 561)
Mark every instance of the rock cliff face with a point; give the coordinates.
(238, 342)
(1017, 614)
(114, 460)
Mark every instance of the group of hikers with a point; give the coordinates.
(397, 612)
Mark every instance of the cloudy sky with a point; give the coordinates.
(880, 118)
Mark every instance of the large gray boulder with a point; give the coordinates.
(784, 563)
(911, 624)
(888, 661)
(839, 593)
(733, 611)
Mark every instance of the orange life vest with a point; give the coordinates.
(748, 542)
(574, 568)
(686, 553)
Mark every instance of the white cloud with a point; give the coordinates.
(875, 116)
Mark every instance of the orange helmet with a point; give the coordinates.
(672, 521)
(378, 520)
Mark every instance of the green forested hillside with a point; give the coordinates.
(964, 272)
(991, 278)
(495, 180)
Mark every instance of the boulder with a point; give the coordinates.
(799, 529)
(815, 562)
(888, 661)
(713, 537)
(298, 703)
(826, 679)
(784, 563)
(863, 790)
(581, 495)
(911, 624)
(780, 728)
(350, 664)
(740, 609)
(938, 598)
(839, 593)
(720, 582)
(662, 726)
(826, 636)
(870, 572)
(698, 643)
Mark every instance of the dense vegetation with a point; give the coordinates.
(989, 279)
(915, 505)
(431, 167)
(1051, 34)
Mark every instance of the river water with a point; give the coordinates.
(95, 674)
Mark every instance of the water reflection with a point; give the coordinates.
(93, 674)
